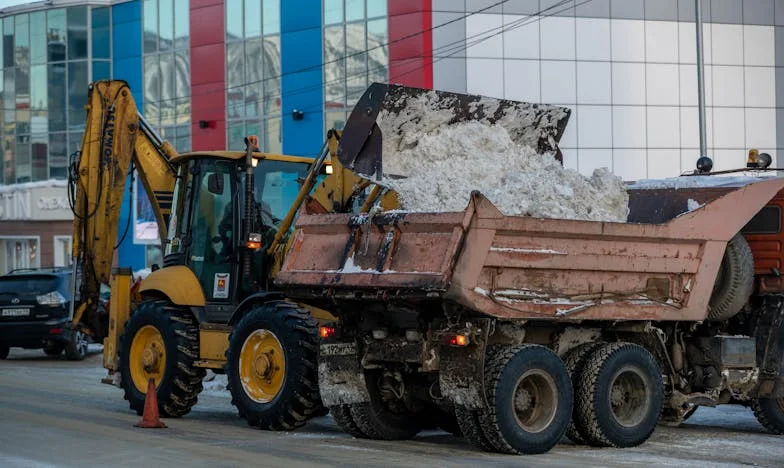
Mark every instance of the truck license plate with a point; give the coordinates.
(338, 349)
(15, 312)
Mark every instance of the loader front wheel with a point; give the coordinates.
(161, 342)
(271, 366)
(530, 399)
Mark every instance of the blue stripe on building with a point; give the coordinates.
(300, 48)
(127, 65)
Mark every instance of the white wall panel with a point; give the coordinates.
(661, 41)
(727, 44)
(521, 80)
(687, 42)
(487, 27)
(593, 39)
(759, 46)
(629, 127)
(594, 83)
(558, 82)
(760, 83)
(661, 84)
(485, 76)
(594, 127)
(663, 127)
(557, 38)
(728, 159)
(630, 164)
(728, 86)
(521, 37)
(628, 40)
(690, 130)
(628, 83)
(729, 130)
(688, 85)
(761, 129)
(592, 159)
(664, 163)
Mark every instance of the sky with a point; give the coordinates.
(8, 3)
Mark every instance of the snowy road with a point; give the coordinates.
(56, 413)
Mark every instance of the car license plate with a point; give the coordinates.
(14, 312)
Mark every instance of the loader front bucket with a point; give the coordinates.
(390, 118)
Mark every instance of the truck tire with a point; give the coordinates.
(377, 420)
(76, 348)
(468, 420)
(735, 281)
(342, 416)
(271, 366)
(574, 360)
(770, 413)
(161, 341)
(620, 395)
(533, 382)
(4, 350)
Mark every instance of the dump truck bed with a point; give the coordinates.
(519, 267)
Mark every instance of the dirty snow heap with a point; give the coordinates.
(445, 163)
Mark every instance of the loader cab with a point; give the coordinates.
(208, 222)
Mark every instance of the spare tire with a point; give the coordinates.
(734, 282)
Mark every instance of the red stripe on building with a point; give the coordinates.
(208, 78)
(410, 42)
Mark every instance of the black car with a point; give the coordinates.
(34, 313)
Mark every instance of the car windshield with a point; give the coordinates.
(28, 283)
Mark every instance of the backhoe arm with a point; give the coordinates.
(116, 140)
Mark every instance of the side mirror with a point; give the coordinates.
(215, 183)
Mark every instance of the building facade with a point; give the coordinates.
(208, 72)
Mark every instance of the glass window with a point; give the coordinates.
(276, 184)
(334, 65)
(150, 20)
(23, 167)
(74, 142)
(355, 10)
(56, 96)
(333, 11)
(152, 89)
(356, 65)
(236, 136)
(77, 94)
(376, 8)
(101, 33)
(38, 149)
(38, 37)
(378, 52)
(22, 100)
(234, 15)
(166, 24)
(102, 70)
(253, 61)
(22, 40)
(55, 27)
(38, 92)
(9, 102)
(77, 32)
(9, 149)
(272, 72)
(183, 142)
(58, 155)
(8, 41)
(167, 89)
(272, 136)
(272, 16)
(181, 24)
(252, 17)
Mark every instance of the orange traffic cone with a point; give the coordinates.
(150, 418)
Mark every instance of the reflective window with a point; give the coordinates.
(24, 169)
(9, 149)
(150, 20)
(77, 94)
(355, 10)
(22, 84)
(38, 37)
(234, 23)
(58, 155)
(38, 152)
(56, 96)
(56, 30)
(9, 102)
(102, 70)
(8, 41)
(333, 11)
(252, 17)
(101, 33)
(271, 17)
(165, 25)
(74, 142)
(376, 8)
(77, 32)
(39, 101)
(181, 24)
(22, 40)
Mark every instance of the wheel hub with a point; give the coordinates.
(147, 357)
(151, 358)
(630, 396)
(262, 366)
(535, 400)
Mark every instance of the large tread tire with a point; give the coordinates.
(770, 413)
(378, 422)
(574, 360)
(181, 383)
(4, 350)
(505, 366)
(594, 414)
(76, 348)
(342, 416)
(468, 420)
(298, 399)
(735, 281)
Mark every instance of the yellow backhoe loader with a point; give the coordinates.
(224, 219)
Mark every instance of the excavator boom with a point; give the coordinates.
(116, 141)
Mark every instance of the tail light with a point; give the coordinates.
(457, 340)
(327, 332)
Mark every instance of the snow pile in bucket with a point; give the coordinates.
(450, 161)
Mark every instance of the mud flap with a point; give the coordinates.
(461, 374)
(770, 340)
(341, 379)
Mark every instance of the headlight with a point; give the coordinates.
(53, 298)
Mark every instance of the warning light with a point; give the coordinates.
(254, 241)
(457, 340)
(327, 332)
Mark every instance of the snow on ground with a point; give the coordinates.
(448, 162)
(215, 384)
(30, 185)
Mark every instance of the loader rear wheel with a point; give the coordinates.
(619, 396)
(382, 419)
(574, 360)
(342, 416)
(271, 366)
(530, 399)
(161, 341)
(734, 282)
(770, 413)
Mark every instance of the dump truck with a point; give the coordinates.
(515, 331)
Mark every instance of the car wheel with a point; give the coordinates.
(53, 348)
(4, 351)
(76, 349)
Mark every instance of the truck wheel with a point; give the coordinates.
(161, 342)
(4, 350)
(620, 395)
(342, 416)
(734, 282)
(468, 420)
(770, 413)
(53, 348)
(533, 382)
(271, 366)
(76, 348)
(574, 360)
(379, 420)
